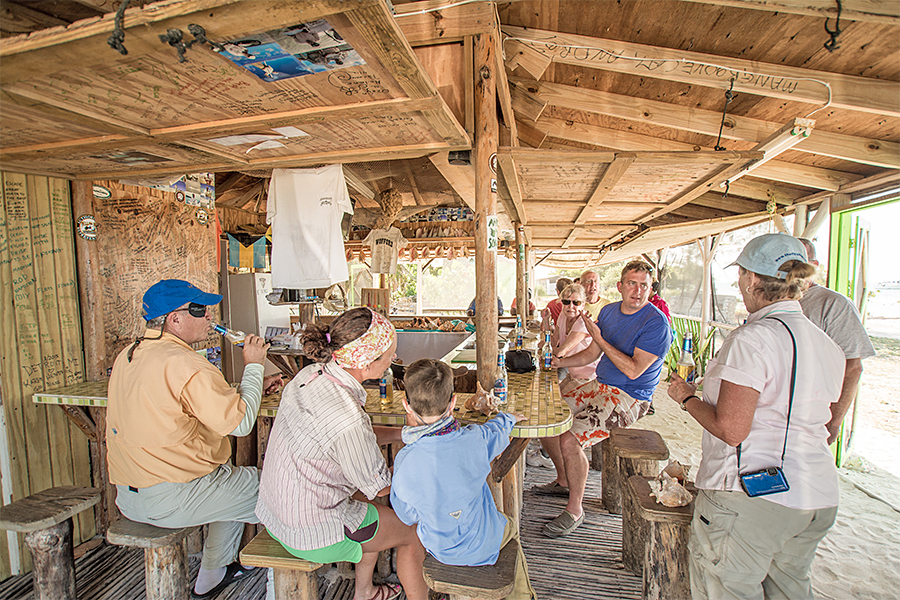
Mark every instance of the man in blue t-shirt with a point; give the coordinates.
(471, 310)
(633, 336)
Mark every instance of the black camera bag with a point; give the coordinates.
(519, 361)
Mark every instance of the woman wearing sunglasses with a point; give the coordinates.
(569, 338)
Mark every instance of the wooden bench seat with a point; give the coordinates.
(663, 547)
(488, 582)
(165, 556)
(629, 452)
(46, 520)
(295, 578)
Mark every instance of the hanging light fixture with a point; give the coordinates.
(784, 139)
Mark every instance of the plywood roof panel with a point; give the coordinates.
(651, 183)
(557, 180)
(646, 163)
(265, 72)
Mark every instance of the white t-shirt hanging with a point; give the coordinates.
(385, 245)
(305, 208)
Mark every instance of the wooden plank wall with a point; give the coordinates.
(143, 235)
(41, 343)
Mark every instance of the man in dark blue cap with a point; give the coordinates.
(169, 417)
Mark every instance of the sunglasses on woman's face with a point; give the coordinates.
(567, 302)
(195, 310)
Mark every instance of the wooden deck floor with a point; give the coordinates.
(586, 565)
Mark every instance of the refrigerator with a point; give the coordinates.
(246, 308)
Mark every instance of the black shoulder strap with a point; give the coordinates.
(790, 399)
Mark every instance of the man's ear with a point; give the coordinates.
(619, 286)
(452, 404)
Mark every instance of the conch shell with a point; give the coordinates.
(481, 401)
(678, 471)
(669, 492)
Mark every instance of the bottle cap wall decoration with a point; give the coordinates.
(87, 225)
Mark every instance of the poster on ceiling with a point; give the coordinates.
(293, 51)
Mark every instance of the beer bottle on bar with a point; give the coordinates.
(520, 333)
(548, 353)
(500, 386)
(685, 366)
(386, 388)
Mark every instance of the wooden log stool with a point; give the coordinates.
(165, 556)
(46, 520)
(629, 452)
(663, 551)
(488, 582)
(295, 578)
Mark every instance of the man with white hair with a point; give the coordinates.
(838, 317)
(629, 340)
(590, 281)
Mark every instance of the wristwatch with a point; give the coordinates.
(685, 401)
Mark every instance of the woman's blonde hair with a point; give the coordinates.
(772, 289)
(573, 289)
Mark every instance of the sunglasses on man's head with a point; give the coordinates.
(195, 310)
(567, 302)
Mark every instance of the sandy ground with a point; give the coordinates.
(860, 556)
(877, 432)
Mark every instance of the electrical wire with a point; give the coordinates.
(445, 7)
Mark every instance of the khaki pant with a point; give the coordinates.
(752, 548)
(225, 499)
(522, 589)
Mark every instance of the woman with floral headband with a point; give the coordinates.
(324, 465)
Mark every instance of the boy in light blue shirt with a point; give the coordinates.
(440, 476)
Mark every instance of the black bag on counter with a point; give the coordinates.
(519, 361)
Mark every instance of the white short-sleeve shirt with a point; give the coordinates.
(759, 355)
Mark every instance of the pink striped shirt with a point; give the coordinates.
(321, 450)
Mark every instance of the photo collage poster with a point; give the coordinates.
(294, 51)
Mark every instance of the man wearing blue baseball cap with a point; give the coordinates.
(169, 417)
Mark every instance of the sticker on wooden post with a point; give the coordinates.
(493, 231)
(87, 226)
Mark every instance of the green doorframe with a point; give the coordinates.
(847, 269)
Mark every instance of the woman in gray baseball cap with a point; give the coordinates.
(767, 480)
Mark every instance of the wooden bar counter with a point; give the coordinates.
(536, 395)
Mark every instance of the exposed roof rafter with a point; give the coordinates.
(765, 79)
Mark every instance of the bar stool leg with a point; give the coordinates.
(295, 585)
(610, 486)
(54, 562)
(666, 573)
(166, 572)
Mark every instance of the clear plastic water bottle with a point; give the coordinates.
(232, 335)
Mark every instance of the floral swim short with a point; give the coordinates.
(598, 408)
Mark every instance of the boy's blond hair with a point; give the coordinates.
(429, 387)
